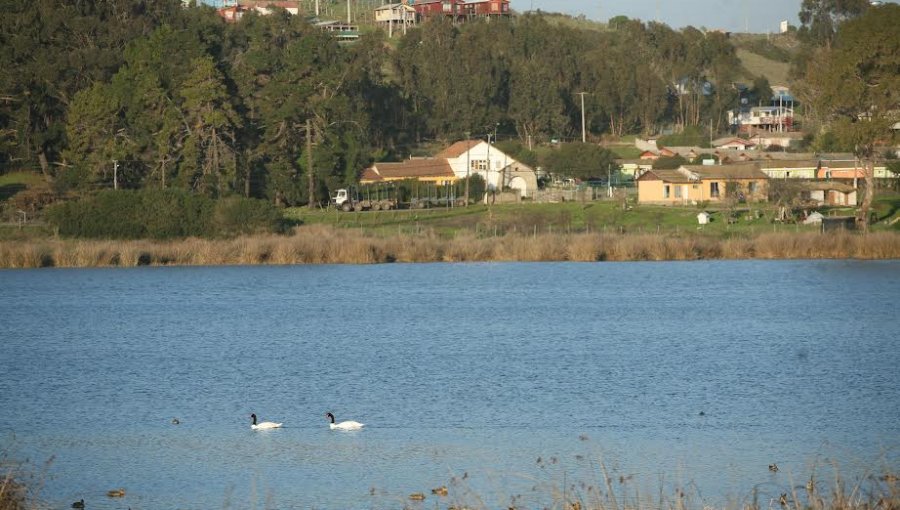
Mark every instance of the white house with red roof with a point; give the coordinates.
(458, 161)
(499, 170)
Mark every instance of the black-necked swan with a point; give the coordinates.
(263, 425)
(344, 425)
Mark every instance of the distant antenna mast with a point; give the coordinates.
(746, 17)
(657, 11)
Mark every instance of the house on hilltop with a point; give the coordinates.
(461, 10)
(232, 13)
(395, 16)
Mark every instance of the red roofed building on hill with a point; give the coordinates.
(460, 10)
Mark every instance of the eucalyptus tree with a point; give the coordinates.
(97, 136)
(652, 92)
(424, 68)
(480, 75)
(536, 104)
(269, 79)
(856, 81)
(545, 78)
(148, 85)
(581, 161)
(615, 81)
(51, 50)
(722, 69)
(821, 19)
(209, 154)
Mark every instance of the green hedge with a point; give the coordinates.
(161, 214)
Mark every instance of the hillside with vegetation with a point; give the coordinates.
(767, 55)
(150, 98)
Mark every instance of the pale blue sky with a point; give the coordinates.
(732, 15)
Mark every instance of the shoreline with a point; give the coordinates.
(327, 245)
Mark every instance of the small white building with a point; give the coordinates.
(736, 144)
(814, 219)
(703, 218)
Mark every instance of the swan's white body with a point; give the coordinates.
(344, 425)
(263, 425)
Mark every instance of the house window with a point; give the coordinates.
(751, 187)
(714, 189)
(666, 191)
(478, 164)
(678, 193)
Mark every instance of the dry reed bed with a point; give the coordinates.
(328, 245)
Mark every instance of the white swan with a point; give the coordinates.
(263, 425)
(344, 425)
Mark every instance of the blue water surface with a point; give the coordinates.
(512, 384)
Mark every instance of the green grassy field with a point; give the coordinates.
(524, 218)
(568, 217)
(14, 182)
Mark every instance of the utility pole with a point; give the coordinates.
(309, 165)
(746, 17)
(583, 125)
(609, 180)
(349, 18)
(468, 163)
(487, 174)
(317, 8)
(115, 174)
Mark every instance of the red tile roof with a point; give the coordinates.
(665, 175)
(737, 171)
(457, 149)
(409, 169)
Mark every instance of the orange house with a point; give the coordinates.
(692, 184)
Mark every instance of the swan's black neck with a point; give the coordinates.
(254, 418)
(330, 417)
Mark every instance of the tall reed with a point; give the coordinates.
(318, 244)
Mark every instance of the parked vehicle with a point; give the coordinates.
(352, 200)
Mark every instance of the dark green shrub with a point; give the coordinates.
(160, 214)
(236, 215)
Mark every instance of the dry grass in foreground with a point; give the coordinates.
(619, 492)
(318, 244)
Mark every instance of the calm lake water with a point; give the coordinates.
(507, 382)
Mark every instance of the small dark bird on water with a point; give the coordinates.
(175, 421)
(702, 413)
(773, 468)
(78, 504)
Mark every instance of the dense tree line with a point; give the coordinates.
(148, 94)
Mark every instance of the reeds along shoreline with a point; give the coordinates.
(328, 245)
